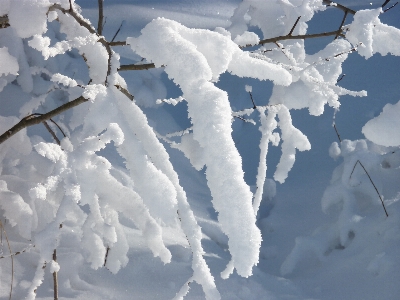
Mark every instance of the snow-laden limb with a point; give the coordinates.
(384, 129)
(193, 58)
(292, 139)
(371, 35)
(137, 123)
(268, 125)
(315, 80)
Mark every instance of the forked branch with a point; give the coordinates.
(35, 119)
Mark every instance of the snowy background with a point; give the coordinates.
(311, 249)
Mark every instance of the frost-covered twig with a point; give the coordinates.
(370, 179)
(18, 252)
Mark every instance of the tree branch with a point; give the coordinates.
(83, 23)
(55, 277)
(341, 24)
(100, 22)
(115, 35)
(33, 119)
(136, 67)
(298, 37)
(294, 26)
(119, 43)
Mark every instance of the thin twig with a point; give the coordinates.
(342, 23)
(341, 77)
(55, 278)
(53, 134)
(59, 128)
(12, 258)
(298, 37)
(390, 7)
(115, 35)
(100, 21)
(252, 100)
(106, 256)
(337, 132)
(295, 23)
(284, 53)
(370, 179)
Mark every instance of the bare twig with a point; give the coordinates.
(386, 2)
(339, 6)
(299, 37)
(59, 128)
(370, 179)
(294, 26)
(136, 67)
(33, 119)
(100, 21)
(51, 132)
(341, 24)
(115, 35)
(106, 256)
(55, 278)
(12, 258)
(341, 77)
(337, 132)
(125, 92)
(390, 7)
(252, 100)
(119, 43)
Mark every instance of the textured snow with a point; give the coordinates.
(383, 129)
